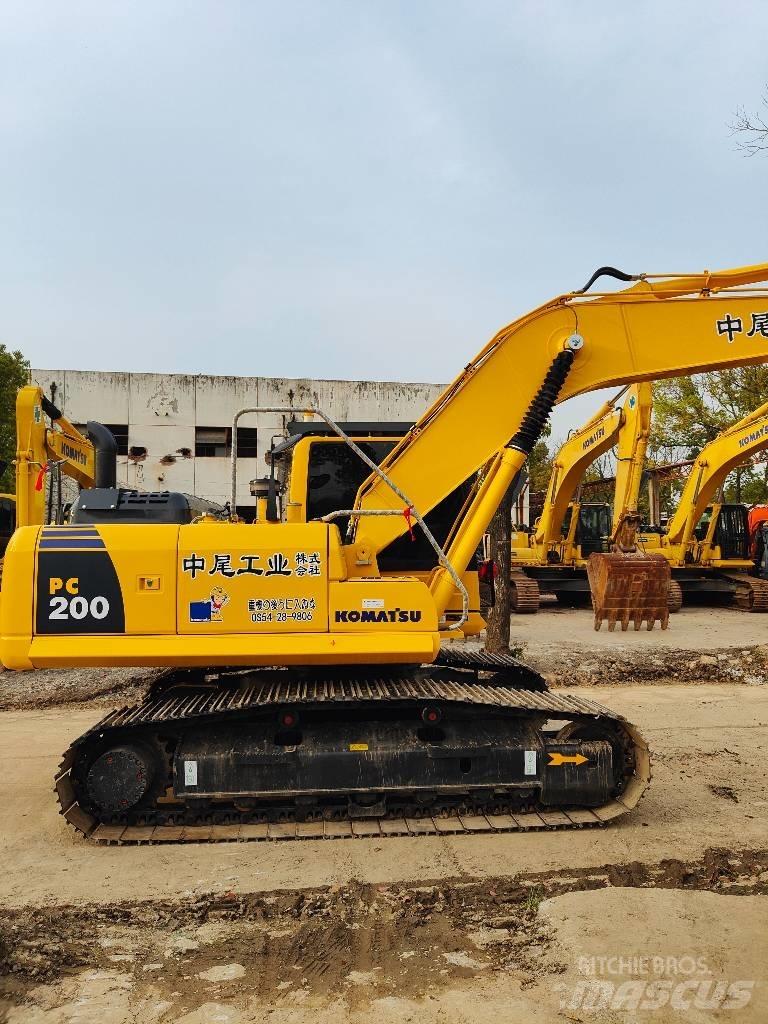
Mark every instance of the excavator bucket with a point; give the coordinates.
(629, 587)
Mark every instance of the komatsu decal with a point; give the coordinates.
(74, 454)
(593, 438)
(755, 435)
(367, 615)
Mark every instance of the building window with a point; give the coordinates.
(247, 439)
(212, 442)
(216, 442)
(118, 430)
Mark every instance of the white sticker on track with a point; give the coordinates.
(190, 773)
(529, 762)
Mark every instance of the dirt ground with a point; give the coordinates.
(658, 918)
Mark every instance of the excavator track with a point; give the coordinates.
(525, 596)
(751, 593)
(187, 704)
(674, 596)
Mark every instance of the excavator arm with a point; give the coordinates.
(713, 464)
(490, 417)
(631, 448)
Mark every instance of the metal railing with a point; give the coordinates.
(353, 514)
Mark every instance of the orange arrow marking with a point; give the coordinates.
(556, 759)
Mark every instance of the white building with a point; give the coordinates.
(174, 430)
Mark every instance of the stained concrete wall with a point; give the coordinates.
(162, 411)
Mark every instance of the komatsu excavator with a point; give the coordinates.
(707, 542)
(552, 558)
(56, 451)
(310, 695)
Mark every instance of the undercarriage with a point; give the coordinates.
(474, 742)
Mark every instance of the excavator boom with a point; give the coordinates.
(576, 343)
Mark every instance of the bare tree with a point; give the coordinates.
(751, 130)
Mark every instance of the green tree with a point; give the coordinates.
(14, 374)
(539, 471)
(689, 412)
(540, 466)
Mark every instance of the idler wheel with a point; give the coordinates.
(119, 778)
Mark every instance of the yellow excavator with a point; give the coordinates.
(55, 450)
(51, 451)
(309, 695)
(707, 541)
(552, 558)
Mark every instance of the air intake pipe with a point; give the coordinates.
(105, 454)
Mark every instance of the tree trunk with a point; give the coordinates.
(500, 532)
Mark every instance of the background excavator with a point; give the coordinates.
(552, 558)
(707, 542)
(49, 448)
(55, 451)
(310, 693)
(758, 539)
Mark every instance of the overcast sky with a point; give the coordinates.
(359, 189)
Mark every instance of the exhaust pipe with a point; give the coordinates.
(105, 454)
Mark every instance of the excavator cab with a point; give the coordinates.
(732, 531)
(594, 528)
